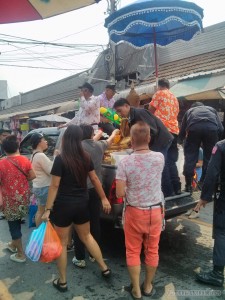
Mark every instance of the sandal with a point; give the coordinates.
(129, 290)
(62, 287)
(152, 293)
(10, 248)
(107, 273)
(16, 258)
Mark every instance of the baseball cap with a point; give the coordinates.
(35, 139)
(88, 86)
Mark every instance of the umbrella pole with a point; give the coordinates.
(156, 59)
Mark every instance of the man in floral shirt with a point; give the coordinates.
(165, 106)
(89, 111)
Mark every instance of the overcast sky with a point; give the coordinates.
(47, 63)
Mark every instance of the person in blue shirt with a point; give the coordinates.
(200, 125)
(214, 184)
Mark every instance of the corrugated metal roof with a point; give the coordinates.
(39, 105)
(200, 64)
(31, 110)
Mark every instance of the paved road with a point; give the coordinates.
(185, 245)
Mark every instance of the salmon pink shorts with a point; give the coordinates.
(142, 227)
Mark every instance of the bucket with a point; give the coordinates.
(117, 156)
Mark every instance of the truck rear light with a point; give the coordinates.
(112, 195)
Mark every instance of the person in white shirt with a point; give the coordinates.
(89, 110)
(42, 166)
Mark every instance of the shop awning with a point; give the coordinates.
(43, 109)
(67, 107)
(207, 87)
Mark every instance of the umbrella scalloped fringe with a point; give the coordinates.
(150, 44)
(148, 24)
(152, 10)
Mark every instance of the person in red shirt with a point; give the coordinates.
(15, 171)
(165, 106)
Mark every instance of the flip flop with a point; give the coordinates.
(129, 290)
(152, 293)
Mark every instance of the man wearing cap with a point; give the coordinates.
(89, 110)
(107, 100)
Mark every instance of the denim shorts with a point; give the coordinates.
(15, 229)
(41, 194)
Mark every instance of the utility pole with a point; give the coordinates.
(112, 9)
(113, 6)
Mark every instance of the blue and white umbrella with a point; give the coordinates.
(157, 22)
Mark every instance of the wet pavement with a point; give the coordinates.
(185, 246)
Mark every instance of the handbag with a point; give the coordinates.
(52, 247)
(35, 243)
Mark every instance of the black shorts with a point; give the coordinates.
(65, 213)
(15, 229)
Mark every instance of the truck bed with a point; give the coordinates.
(174, 206)
(179, 204)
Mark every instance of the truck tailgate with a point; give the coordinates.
(179, 204)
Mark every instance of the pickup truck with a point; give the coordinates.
(174, 206)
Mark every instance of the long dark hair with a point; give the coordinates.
(87, 130)
(73, 156)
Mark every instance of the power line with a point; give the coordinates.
(39, 59)
(43, 56)
(47, 68)
(78, 32)
(33, 42)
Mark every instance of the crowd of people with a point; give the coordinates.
(69, 189)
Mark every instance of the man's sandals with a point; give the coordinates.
(62, 287)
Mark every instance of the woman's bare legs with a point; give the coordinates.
(18, 245)
(63, 233)
(38, 215)
(134, 272)
(149, 275)
(85, 236)
(70, 239)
